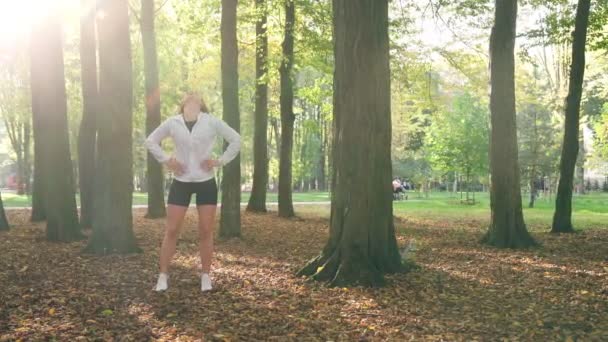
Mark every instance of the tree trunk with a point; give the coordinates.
(20, 172)
(16, 129)
(38, 206)
(277, 135)
(154, 172)
(38, 191)
(532, 192)
(580, 162)
(362, 246)
(535, 161)
(87, 135)
(230, 214)
(49, 105)
(112, 216)
(3, 220)
(287, 116)
(507, 227)
(322, 178)
(562, 218)
(257, 201)
(27, 136)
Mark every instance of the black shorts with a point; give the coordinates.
(180, 192)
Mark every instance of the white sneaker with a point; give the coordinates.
(205, 282)
(161, 284)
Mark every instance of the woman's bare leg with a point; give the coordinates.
(206, 222)
(175, 217)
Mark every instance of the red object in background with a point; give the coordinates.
(11, 182)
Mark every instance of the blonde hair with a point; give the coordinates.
(193, 97)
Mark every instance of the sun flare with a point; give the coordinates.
(17, 17)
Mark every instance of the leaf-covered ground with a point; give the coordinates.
(462, 291)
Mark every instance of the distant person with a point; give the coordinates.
(398, 189)
(193, 130)
(396, 185)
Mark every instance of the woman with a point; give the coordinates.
(193, 131)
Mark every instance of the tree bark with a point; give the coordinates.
(3, 220)
(230, 214)
(87, 135)
(257, 200)
(154, 172)
(535, 161)
(322, 177)
(362, 246)
(507, 228)
(38, 189)
(287, 116)
(112, 216)
(580, 162)
(27, 155)
(38, 206)
(562, 218)
(49, 107)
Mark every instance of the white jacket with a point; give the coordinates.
(191, 148)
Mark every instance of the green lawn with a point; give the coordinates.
(590, 210)
(14, 200)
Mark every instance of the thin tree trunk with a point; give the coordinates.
(562, 218)
(323, 158)
(507, 227)
(49, 105)
(27, 136)
(87, 135)
(154, 172)
(15, 129)
(113, 216)
(230, 214)
(362, 246)
(580, 161)
(532, 192)
(3, 220)
(287, 115)
(277, 134)
(535, 157)
(257, 200)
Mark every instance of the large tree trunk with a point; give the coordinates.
(287, 116)
(112, 216)
(362, 246)
(3, 220)
(230, 219)
(154, 175)
(49, 105)
(38, 209)
(87, 135)
(562, 218)
(507, 227)
(38, 190)
(257, 201)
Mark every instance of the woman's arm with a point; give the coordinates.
(232, 137)
(155, 138)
